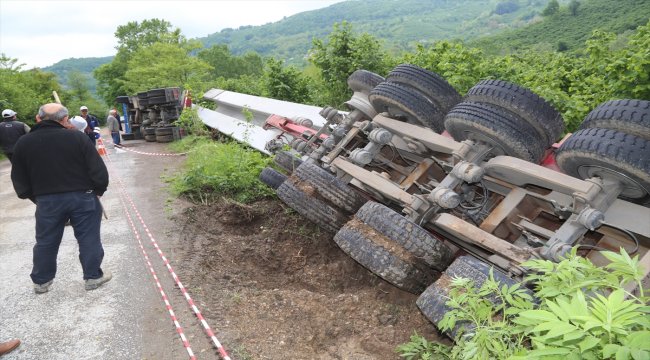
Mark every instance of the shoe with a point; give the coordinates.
(9, 346)
(92, 284)
(43, 288)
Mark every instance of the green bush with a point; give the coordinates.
(581, 312)
(215, 170)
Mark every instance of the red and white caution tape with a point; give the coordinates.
(179, 328)
(148, 153)
(195, 309)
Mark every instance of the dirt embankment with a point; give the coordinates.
(275, 287)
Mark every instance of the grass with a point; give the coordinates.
(215, 170)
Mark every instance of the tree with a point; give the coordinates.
(285, 83)
(164, 65)
(226, 65)
(78, 85)
(552, 8)
(343, 54)
(25, 91)
(573, 7)
(506, 7)
(130, 38)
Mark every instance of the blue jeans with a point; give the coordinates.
(84, 211)
(116, 137)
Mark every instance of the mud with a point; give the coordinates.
(276, 287)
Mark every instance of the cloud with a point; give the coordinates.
(40, 33)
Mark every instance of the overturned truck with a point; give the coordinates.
(419, 184)
(151, 113)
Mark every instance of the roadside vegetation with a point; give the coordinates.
(577, 311)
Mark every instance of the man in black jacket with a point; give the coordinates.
(10, 131)
(62, 173)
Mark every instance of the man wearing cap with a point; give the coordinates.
(62, 173)
(10, 131)
(92, 122)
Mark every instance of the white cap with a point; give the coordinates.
(7, 113)
(79, 123)
(83, 108)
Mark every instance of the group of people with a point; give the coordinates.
(60, 171)
(11, 129)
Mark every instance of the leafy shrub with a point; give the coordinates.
(581, 312)
(217, 169)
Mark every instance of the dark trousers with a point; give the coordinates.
(52, 212)
(116, 137)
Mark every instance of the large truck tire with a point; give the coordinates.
(432, 302)
(529, 106)
(433, 86)
(287, 161)
(609, 154)
(164, 138)
(329, 187)
(364, 81)
(407, 104)
(272, 178)
(383, 257)
(161, 131)
(304, 200)
(508, 133)
(628, 116)
(414, 239)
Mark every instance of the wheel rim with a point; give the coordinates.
(630, 188)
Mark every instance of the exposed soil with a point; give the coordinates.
(274, 286)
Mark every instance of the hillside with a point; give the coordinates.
(83, 65)
(497, 26)
(399, 23)
(564, 31)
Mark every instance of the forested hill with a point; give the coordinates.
(399, 23)
(69, 69)
(494, 25)
(568, 28)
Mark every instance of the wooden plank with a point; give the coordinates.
(472, 234)
(374, 180)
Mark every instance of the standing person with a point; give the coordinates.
(10, 131)
(92, 122)
(119, 119)
(62, 173)
(113, 125)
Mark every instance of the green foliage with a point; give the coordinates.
(459, 65)
(572, 26)
(228, 66)
(84, 66)
(421, 348)
(191, 122)
(25, 91)
(552, 8)
(163, 65)
(399, 24)
(344, 53)
(582, 312)
(285, 83)
(573, 7)
(221, 169)
(130, 38)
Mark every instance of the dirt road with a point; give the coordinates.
(270, 284)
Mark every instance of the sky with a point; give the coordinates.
(41, 33)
